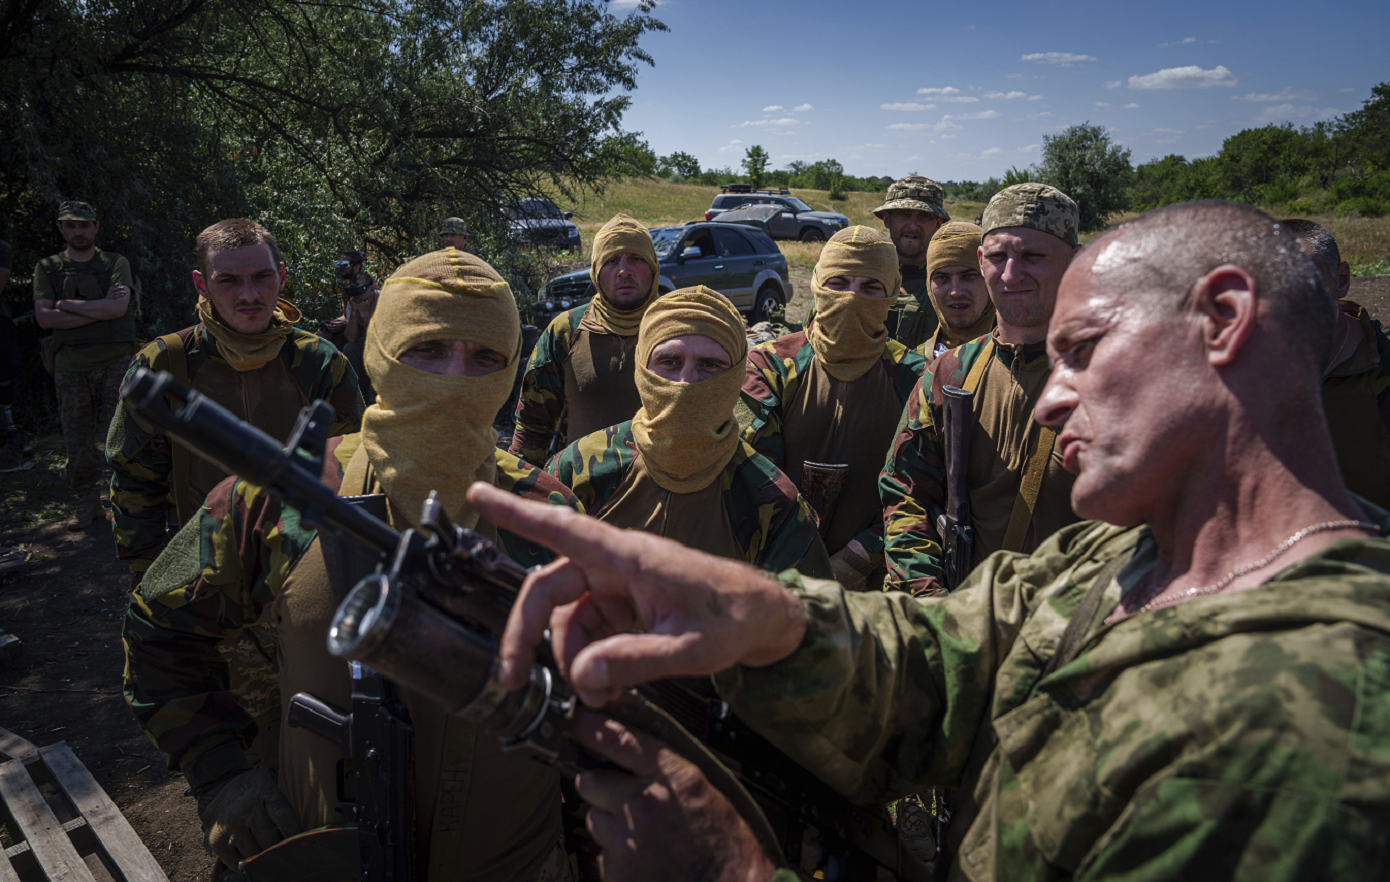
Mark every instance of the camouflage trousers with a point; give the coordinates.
(87, 401)
(254, 678)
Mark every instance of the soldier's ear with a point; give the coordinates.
(1224, 302)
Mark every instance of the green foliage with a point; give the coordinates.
(1017, 175)
(755, 160)
(678, 167)
(336, 123)
(1084, 163)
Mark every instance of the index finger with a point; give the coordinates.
(557, 527)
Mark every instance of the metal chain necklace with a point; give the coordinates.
(1262, 562)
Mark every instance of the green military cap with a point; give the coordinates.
(454, 225)
(78, 211)
(915, 193)
(1033, 205)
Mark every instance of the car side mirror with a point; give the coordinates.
(788, 213)
(691, 253)
(569, 215)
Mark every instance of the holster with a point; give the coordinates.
(821, 484)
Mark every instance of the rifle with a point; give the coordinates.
(953, 523)
(429, 618)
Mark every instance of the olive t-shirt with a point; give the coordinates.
(87, 356)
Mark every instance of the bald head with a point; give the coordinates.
(1157, 259)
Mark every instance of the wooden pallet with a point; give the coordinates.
(63, 826)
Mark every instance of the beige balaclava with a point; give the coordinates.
(848, 334)
(686, 432)
(247, 352)
(426, 431)
(958, 244)
(620, 234)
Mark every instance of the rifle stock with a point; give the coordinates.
(953, 524)
(430, 617)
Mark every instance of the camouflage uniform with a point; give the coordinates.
(549, 380)
(226, 570)
(770, 522)
(1356, 399)
(1002, 439)
(774, 377)
(1235, 736)
(142, 476)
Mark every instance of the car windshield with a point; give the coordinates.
(665, 241)
(798, 204)
(535, 211)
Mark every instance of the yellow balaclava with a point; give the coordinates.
(686, 432)
(430, 432)
(957, 244)
(848, 334)
(246, 352)
(620, 234)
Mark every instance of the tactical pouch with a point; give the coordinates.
(346, 559)
(821, 484)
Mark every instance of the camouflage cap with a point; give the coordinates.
(78, 211)
(454, 225)
(915, 193)
(1033, 205)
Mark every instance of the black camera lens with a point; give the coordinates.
(355, 290)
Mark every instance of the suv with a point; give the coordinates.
(739, 262)
(796, 221)
(536, 220)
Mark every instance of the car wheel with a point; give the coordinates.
(769, 297)
(811, 234)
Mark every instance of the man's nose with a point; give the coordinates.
(1013, 272)
(1057, 401)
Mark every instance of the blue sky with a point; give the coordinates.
(965, 90)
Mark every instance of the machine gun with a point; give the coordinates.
(953, 522)
(429, 618)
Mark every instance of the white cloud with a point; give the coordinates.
(1066, 59)
(1183, 42)
(909, 127)
(784, 121)
(1114, 84)
(1281, 112)
(1288, 94)
(1189, 77)
(907, 105)
(1029, 149)
(732, 147)
(944, 90)
(1131, 106)
(802, 108)
(993, 151)
(1043, 115)
(983, 114)
(1102, 104)
(1006, 96)
(963, 99)
(772, 108)
(1013, 76)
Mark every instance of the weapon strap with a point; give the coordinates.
(977, 370)
(1028, 490)
(178, 486)
(1085, 613)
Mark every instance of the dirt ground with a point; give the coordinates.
(66, 605)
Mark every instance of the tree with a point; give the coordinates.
(1084, 163)
(680, 165)
(336, 123)
(755, 161)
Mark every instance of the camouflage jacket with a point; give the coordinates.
(1236, 736)
(913, 477)
(219, 573)
(542, 400)
(770, 520)
(141, 460)
(774, 373)
(1356, 402)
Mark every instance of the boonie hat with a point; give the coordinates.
(77, 211)
(1033, 205)
(454, 225)
(914, 193)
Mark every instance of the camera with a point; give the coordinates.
(355, 290)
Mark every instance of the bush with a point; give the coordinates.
(1361, 206)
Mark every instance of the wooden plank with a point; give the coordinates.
(11, 650)
(7, 872)
(40, 828)
(68, 827)
(12, 746)
(117, 837)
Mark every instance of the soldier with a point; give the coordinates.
(1356, 380)
(583, 365)
(959, 295)
(245, 354)
(1019, 492)
(826, 401)
(679, 468)
(454, 233)
(441, 350)
(83, 294)
(912, 213)
(1195, 694)
(361, 294)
